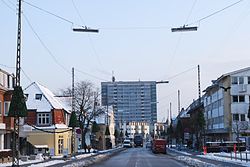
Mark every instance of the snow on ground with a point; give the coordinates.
(49, 163)
(194, 162)
(224, 157)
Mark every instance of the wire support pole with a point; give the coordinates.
(73, 110)
(15, 144)
(199, 83)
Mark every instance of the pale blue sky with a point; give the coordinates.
(135, 41)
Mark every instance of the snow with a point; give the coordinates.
(223, 157)
(186, 158)
(48, 100)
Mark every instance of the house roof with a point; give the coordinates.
(54, 101)
(233, 72)
(215, 82)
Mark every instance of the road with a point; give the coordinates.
(139, 157)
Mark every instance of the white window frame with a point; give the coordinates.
(6, 111)
(38, 96)
(43, 119)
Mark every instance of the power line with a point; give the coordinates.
(174, 76)
(85, 73)
(135, 28)
(48, 12)
(89, 37)
(26, 75)
(47, 131)
(5, 3)
(191, 11)
(203, 18)
(45, 47)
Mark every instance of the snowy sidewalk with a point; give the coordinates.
(194, 159)
(60, 161)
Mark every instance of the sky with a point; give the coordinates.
(134, 43)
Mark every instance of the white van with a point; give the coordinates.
(127, 143)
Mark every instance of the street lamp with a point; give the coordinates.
(85, 29)
(184, 28)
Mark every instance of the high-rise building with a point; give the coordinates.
(133, 101)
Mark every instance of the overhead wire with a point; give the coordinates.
(50, 53)
(48, 131)
(45, 46)
(48, 12)
(216, 12)
(180, 36)
(89, 37)
(8, 5)
(85, 73)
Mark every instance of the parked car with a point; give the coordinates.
(127, 143)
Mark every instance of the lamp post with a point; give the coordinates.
(184, 28)
(85, 29)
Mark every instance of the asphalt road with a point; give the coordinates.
(139, 157)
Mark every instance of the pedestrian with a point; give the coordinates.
(85, 147)
(89, 148)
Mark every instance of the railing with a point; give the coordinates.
(242, 156)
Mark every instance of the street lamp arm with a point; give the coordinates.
(85, 29)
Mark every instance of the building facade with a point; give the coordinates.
(226, 105)
(6, 123)
(46, 126)
(133, 101)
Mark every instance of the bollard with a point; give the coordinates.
(231, 155)
(205, 150)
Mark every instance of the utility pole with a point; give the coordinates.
(73, 110)
(199, 83)
(15, 149)
(179, 107)
(17, 107)
(170, 110)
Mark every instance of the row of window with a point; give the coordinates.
(239, 80)
(239, 117)
(42, 118)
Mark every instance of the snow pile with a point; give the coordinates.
(86, 162)
(214, 156)
(194, 162)
(47, 163)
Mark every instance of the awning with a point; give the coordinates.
(41, 146)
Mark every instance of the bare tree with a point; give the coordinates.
(87, 100)
(239, 127)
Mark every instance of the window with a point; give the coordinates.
(235, 117)
(241, 80)
(234, 80)
(242, 117)
(43, 119)
(6, 108)
(60, 146)
(237, 99)
(241, 98)
(248, 80)
(38, 96)
(237, 80)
